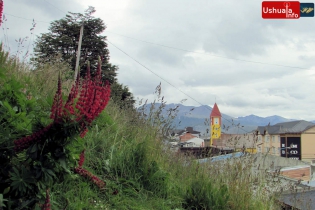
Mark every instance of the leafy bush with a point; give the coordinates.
(36, 156)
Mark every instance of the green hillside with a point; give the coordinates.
(124, 164)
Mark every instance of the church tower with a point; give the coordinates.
(215, 124)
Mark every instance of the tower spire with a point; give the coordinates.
(215, 120)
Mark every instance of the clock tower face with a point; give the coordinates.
(216, 121)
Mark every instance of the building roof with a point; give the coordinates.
(186, 137)
(299, 200)
(297, 126)
(236, 140)
(215, 111)
(221, 157)
(188, 129)
(302, 172)
(196, 139)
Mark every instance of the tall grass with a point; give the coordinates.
(127, 152)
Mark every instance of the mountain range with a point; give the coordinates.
(198, 118)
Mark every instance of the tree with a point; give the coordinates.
(122, 96)
(62, 41)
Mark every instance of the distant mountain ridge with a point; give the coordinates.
(260, 121)
(198, 118)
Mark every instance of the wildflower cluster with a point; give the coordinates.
(94, 95)
(85, 173)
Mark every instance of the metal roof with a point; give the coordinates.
(221, 157)
(286, 127)
(299, 200)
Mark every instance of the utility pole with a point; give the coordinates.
(78, 53)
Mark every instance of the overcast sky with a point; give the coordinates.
(217, 39)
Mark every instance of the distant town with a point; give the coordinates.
(287, 147)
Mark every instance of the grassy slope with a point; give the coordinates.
(127, 154)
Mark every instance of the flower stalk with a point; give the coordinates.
(92, 96)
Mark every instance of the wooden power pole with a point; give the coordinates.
(78, 54)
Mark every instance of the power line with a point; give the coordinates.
(55, 6)
(151, 70)
(25, 18)
(170, 47)
(210, 54)
(170, 83)
(179, 49)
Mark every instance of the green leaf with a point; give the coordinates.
(50, 172)
(34, 148)
(6, 190)
(15, 108)
(2, 201)
(63, 164)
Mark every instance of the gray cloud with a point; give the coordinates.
(229, 28)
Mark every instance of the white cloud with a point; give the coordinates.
(231, 29)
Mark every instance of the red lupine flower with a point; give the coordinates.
(85, 173)
(56, 109)
(81, 161)
(46, 205)
(93, 98)
(27, 141)
(83, 132)
(1, 11)
(72, 95)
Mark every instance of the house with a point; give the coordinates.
(295, 140)
(237, 142)
(190, 130)
(195, 142)
(186, 136)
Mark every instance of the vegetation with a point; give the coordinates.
(60, 148)
(120, 163)
(61, 43)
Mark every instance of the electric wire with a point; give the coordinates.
(174, 48)
(171, 83)
(209, 54)
(55, 6)
(184, 50)
(25, 18)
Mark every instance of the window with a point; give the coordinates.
(273, 139)
(273, 150)
(266, 149)
(259, 149)
(267, 138)
(259, 138)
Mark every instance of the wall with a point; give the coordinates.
(308, 144)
